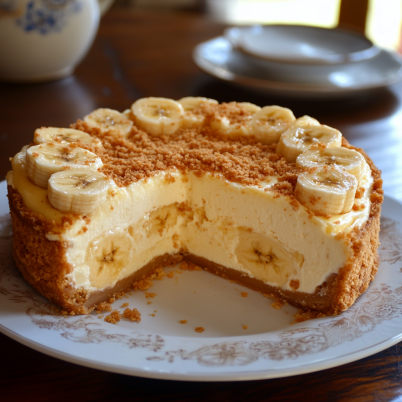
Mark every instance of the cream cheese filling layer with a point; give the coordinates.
(247, 228)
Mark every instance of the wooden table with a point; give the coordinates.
(140, 54)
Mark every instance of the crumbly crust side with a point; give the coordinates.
(137, 280)
(40, 223)
(43, 264)
(41, 261)
(354, 278)
(377, 195)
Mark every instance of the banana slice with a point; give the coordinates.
(64, 136)
(108, 119)
(127, 113)
(107, 256)
(161, 220)
(192, 114)
(78, 191)
(306, 121)
(237, 123)
(45, 159)
(298, 139)
(347, 159)
(158, 116)
(270, 122)
(326, 191)
(250, 107)
(266, 258)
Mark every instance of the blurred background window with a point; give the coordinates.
(384, 21)
(380, 20)
(323, 13)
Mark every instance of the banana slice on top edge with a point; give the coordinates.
(326, 191)
(191, 105)
(45, 159)
(158, 116)
(79, 191)
(235, 122)
(250, 107)
(298, 139)
(347, 159)
(270, 122)
(64, 136)
(109, 119)
(306, 121)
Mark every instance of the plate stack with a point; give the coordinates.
(299, 60)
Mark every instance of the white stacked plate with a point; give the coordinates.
(299, 61)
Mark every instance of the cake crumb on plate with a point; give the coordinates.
(103, 307)
(113, 317)
(132, 314)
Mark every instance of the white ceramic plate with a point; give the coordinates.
(160, 347)
(301, 44)
(218, 58)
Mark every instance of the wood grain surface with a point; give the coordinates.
(140, 54)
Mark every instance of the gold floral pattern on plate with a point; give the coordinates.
(383, 304)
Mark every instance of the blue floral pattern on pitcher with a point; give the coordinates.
(45, 16)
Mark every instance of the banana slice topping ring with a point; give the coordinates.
(347, 159)
(270, 122)
(45, 159)
(193, 116)
(78, 191)
(158, 116)
(64, 136)
(298, 139)
(109, 119)
(326, 191)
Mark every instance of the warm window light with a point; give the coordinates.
(323, 13)
(383, 24)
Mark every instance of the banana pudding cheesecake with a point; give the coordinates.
(282, 205)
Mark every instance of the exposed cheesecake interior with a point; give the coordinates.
(217, 195)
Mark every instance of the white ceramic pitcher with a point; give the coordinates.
(42, 40)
